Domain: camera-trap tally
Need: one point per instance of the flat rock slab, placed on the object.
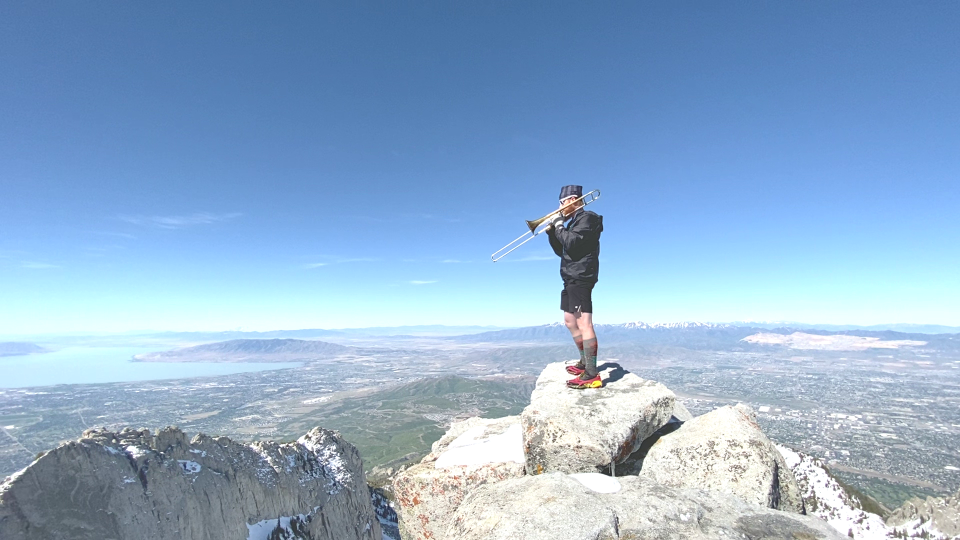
(573, 431)
(725, 451)
(552, 506)
(472, 453)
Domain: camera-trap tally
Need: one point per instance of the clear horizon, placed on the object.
(184, 166)
(146, 332)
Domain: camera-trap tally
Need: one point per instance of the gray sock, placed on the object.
(590, 357)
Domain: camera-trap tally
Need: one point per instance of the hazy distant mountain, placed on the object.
(694, 335)
(422, 330)
(250, 350)
(899, 327)
(685, 334)
(18, 348)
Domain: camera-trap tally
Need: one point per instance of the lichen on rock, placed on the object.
(725, 451)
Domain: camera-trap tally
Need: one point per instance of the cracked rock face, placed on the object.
(134, 484)
(551, 506)
(472, 453)
(582, 431)
(725, 451)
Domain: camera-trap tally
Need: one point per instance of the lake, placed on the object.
(90, 365)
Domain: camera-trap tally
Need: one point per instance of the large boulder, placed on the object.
(472, 453)
(135, 484)
(725, 451)
(590, 507)
(573, 431)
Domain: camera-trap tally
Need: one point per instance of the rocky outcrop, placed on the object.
(472, 453)
(937, 518)
(709, 477)
(585, 507)
(725, 451)
(134, 484)
(588, 430)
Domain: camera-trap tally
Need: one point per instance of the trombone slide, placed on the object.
(537, 226)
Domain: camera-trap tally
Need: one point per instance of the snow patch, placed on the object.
(472, 449)
(135, 451)
(189, 467)
(919, 528)
(832, 504)
(600, 483)
(262, 530)
(329, 459)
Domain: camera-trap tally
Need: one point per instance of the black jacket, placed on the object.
(578, 246)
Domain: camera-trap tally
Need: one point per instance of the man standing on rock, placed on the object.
(575, 238)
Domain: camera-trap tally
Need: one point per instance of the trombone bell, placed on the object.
(535, 226)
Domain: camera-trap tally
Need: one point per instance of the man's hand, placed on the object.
(556, 222)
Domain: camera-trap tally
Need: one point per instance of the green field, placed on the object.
(407, 419)
(889, 494)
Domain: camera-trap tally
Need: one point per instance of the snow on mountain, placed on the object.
(826, 499)
(386, 515)
(640, 325)
(937, 518)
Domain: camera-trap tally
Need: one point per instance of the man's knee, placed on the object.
(584, 320)
(585, 323)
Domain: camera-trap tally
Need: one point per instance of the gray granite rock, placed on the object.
(472, 453)
(557, 506)
(571, 431)
(681, 413)
(135, 484)
(725, 451)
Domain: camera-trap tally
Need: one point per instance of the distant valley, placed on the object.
(18, 348)
(250, 350)
(887, 420)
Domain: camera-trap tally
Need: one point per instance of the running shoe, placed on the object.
(578, 383)
(575, 369)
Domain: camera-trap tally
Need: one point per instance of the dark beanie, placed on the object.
(570, 191)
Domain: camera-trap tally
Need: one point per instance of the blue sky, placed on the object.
(205, 166)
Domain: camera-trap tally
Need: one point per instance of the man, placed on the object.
(575, 237)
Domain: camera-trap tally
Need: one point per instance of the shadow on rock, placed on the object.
(615, 374)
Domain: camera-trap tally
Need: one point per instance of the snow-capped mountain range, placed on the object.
(676, 333)
(640, 325)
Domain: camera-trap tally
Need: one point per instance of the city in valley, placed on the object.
(882, 409)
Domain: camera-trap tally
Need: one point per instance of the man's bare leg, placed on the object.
(571, 321)
(589, 337)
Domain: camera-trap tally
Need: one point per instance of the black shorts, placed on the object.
(576, 299)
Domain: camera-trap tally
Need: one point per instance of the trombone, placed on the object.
(537, 226)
